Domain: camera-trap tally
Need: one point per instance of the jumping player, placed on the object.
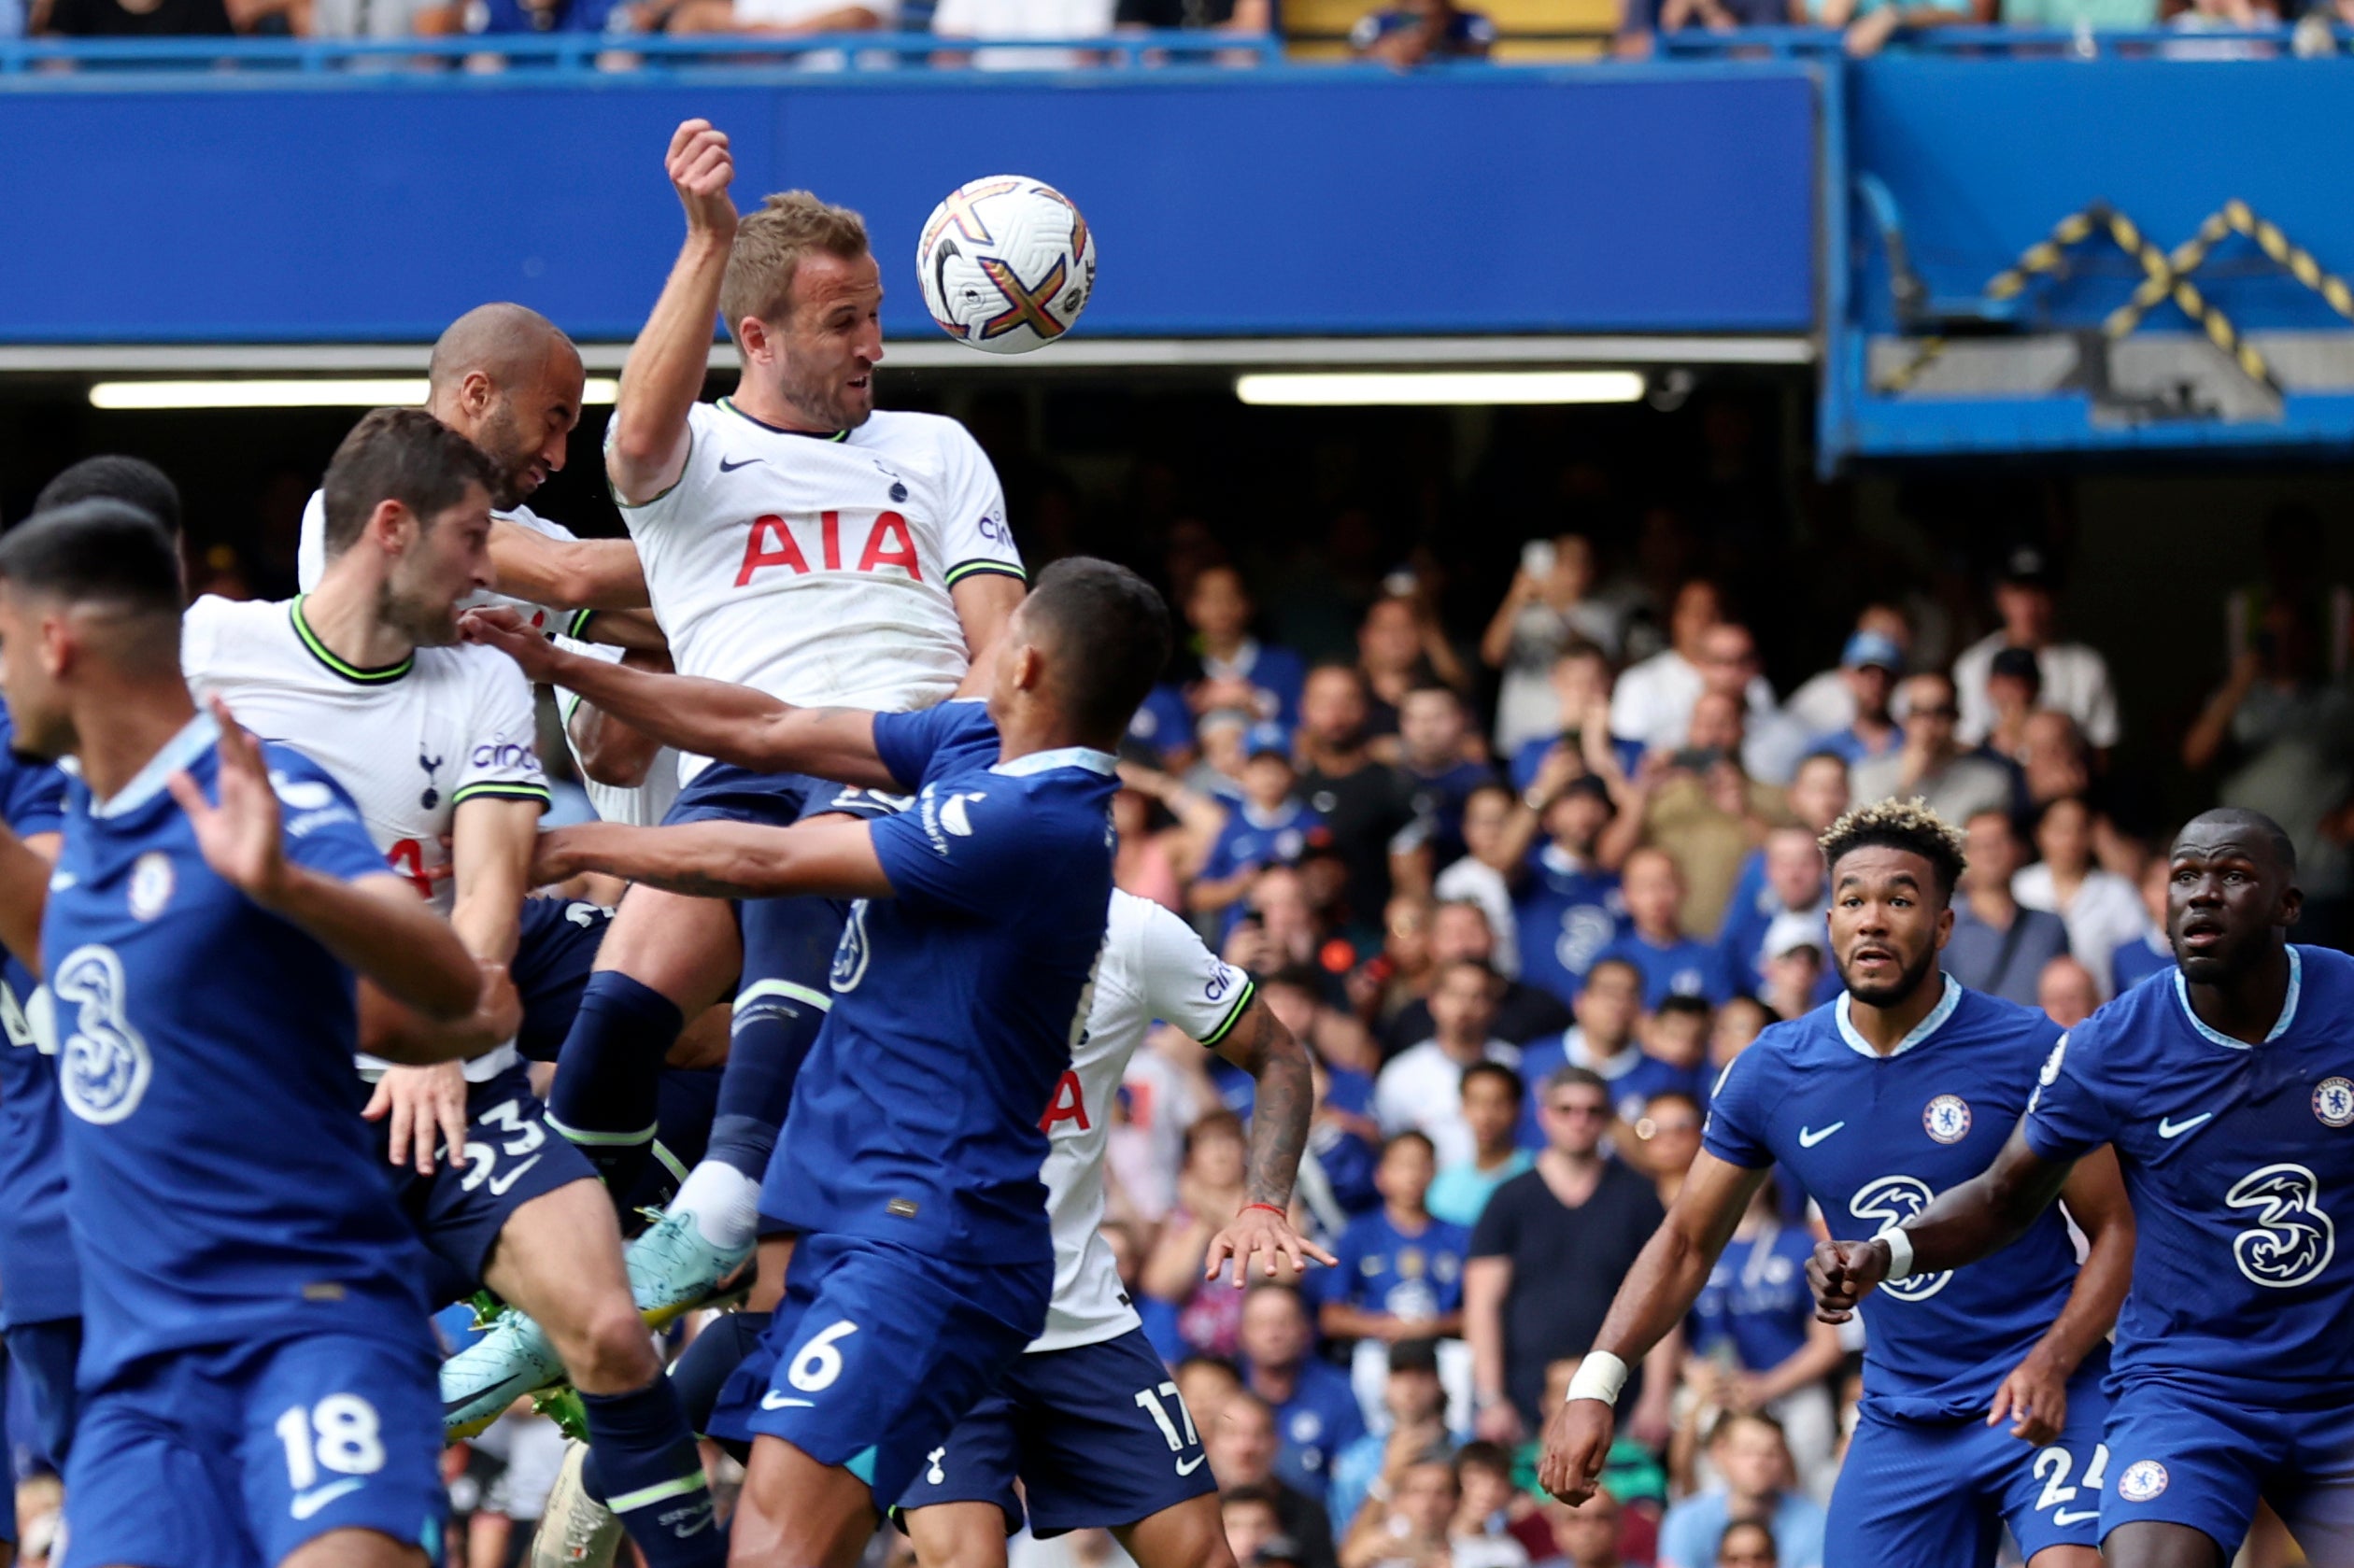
(1898, 1089)
(257, 1371)
(2228, 1094)
(908, 1171)
(435, 742)
(797, 542)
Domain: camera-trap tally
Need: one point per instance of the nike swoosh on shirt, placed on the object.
(2169, 1128)
(308, 1502)
(498, 1184)
(2074, 1516)
(1187, 1466)
(1808, 1137)
(774, 1401)
(727, 466)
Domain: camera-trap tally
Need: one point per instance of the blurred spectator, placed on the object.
(1419, 30)
(1223, 739)
(1581, 720)
(1749, 1455)
(1748, 1544)
(2153, 953)
(1432, 729)
(1702, 807)
(1671, 963)
(1819, 795)
(1422, 1088)
(1205, 1383)
(1401, 646)
(1523, 1012)
(995, 19)
(1794, 964)
(1548, 608)
(1270, 825)
(1756, 1338)
(1480, 1536)
(1546, 1256)
(1415, 1404)
(1930, 764)
(1233, 16)
(1400, 1274)
(2223, 15)
(1870, 665)
(1790, 884)
(1475, 880)
(2014, 683)
(785, 18)
(1251, 1519)
(1997, 946)
(2101, 909)
(2076, 678)
(1586, 1536)
(1241, 1448)
(1567, 905)
(1143, 865)
(1603, 1042)
(1824, 701)
(1235, 669)
(1400, 974)
(1367, 805)
(2288, 733)
(2125, 15)
(1285, 932)
(1668, 1139)
(2066, 993)
(1714, 16)
(1771, 742)
(1738, 1023)
(1408, 1529)
(1189, 1312)
(1651, 703)
(114, 19)
(1492, 1098)
(1315, 1410)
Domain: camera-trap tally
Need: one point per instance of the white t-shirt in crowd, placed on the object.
(2076, 680)
(1024, 19)
(1422, 1089)
(2105, 915)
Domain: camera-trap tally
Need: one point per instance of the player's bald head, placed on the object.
(511, 346)
(2252, 833)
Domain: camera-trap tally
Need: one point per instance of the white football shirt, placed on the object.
(310, 564)
(409, 742)
(816, 569)
(1154, 968)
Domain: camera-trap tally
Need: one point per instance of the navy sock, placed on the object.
(608, 1075)
(788, 947)
(652, 1475)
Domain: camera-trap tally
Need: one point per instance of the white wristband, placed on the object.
(1899, 1255)
(1600, 1375)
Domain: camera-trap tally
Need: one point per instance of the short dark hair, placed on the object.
(1910, 826)
(1502, 1074)
(1412, 1134)
(115, 476)
(1633, 970)
(398, 454)
(97, 551)
(1481, 1454)
(1256, 1493)
(1114, 625)
(1693, 1005)
(1576, 1077)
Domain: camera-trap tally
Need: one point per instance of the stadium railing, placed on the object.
(1996, 42)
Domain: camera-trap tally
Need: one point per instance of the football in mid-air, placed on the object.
(1007, 263)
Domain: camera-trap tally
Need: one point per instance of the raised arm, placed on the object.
(646, 451)
(716, 718)
(832, 856)
(1281, 1110)
(1985, 1214)
(567, 573)
(1649, 1307)
(2036, 1394)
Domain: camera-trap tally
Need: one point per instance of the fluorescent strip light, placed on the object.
(380, 392)
(1364, 389)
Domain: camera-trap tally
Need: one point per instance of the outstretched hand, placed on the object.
(1258, 1229)
(1842, 1273)
(497, 627)
(238, 836)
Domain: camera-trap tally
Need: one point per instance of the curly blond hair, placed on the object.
(1906, 825)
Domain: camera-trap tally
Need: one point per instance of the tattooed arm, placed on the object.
(1285, 1099)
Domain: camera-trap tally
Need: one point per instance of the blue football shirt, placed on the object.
(1756, 1301)
(1383, 1269)
(39, 1280)
(955, 1001)
(2238, 1160)
(1871, 1140)
(1684, 968)
(1568, 913)
(224, 1187)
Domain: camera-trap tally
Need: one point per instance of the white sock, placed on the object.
(726, 1203)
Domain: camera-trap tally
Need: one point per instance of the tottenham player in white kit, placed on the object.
(435, 743)
(797, 542)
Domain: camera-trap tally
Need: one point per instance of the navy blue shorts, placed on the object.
(555, 951)
(2180, 1455)
(512, 1156)
(230, 1457)
(723, 792)
(1936, 1495)
(1096, 1435)
(42, 1357)
(877, 1353)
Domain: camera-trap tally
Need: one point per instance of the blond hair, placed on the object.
(1910, 824)
(768, 252)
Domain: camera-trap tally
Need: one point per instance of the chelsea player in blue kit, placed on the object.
(1902, 1087)
(2228, 1093)
(908, 1170)
(257, 1375)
